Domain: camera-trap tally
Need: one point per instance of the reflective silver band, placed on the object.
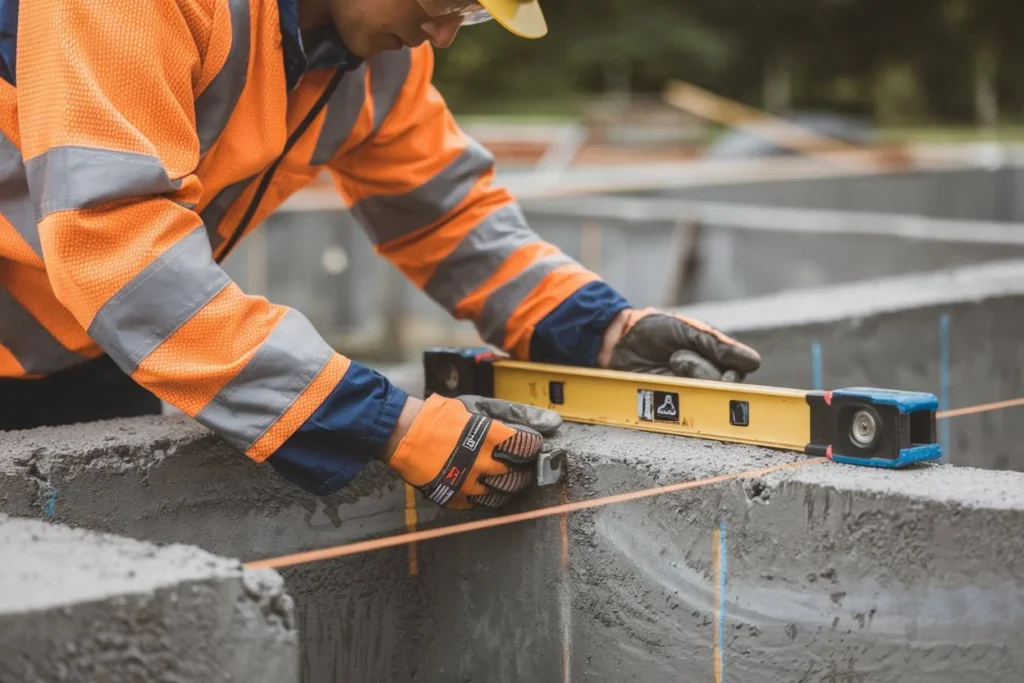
(29, 342)
(342, 113)
(69, 178)
(388, 217)
(216, 103)
(502, 302)
(479, 256)
(287, 361)
(156, 302)
(15, 204)
(389, 71)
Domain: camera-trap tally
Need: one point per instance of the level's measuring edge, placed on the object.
(749, 414)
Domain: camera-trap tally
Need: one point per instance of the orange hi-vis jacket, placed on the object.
(141, 140)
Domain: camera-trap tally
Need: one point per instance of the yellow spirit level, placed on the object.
(858, 426)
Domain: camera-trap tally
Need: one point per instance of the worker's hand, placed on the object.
(471, 451)
(661, 343)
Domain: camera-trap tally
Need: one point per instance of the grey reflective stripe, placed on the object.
(479, 255)
(502, 302)
(218, 207)
(291, 357)
(342, 112)
(15, 204)
(216, 103)
(387, 217)
(32, 344)
(388, 72)
(159, 300)
(67, 178)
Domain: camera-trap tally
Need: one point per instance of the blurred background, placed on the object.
(703, 151)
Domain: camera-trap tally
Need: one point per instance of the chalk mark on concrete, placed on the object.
(944, 382)
(51, 502)
(720, 570)
(411, 520)
(566, 607)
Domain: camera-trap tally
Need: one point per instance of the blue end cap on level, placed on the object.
(904, 401)
(908, 456)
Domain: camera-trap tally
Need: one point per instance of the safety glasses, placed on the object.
(470, 11)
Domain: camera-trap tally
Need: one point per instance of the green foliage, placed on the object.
(911, 61)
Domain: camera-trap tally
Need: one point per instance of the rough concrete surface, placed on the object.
(166, 479)
(832, 573)
(78, 605)
(957, 333)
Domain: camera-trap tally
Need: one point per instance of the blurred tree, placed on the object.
(912, 61)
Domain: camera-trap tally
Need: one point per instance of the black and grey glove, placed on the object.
(529, 419)
(544, 422)
(661, 343)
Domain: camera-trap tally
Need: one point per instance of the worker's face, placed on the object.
(368, 27)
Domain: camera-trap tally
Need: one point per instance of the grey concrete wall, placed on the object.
(636, 257)
(78, 605)
(831, 572)
(958, 334)
(969, 193)
(362, 619)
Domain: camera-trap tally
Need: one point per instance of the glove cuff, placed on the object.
(436, 429)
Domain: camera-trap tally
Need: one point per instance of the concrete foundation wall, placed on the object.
(83, 606)
(821, 573)
(639, 257)
(830, 572)
(968, 193)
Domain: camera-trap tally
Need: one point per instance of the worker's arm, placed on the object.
(423, 191)
(106, 98)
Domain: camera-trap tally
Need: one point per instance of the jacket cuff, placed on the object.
(349, 429)
(572, 333)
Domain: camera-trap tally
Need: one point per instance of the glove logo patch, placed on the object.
(452, 478)
(453, 475)
(657, 406)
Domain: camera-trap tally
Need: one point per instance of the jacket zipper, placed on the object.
(268, 176)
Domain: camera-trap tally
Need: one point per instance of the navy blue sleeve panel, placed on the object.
(346, 432)
(571, 334)
(8, 40)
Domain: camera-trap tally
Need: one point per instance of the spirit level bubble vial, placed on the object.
(858, 426)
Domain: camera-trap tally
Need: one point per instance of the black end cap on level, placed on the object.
(453, 372)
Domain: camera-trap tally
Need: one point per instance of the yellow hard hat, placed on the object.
(522, 17)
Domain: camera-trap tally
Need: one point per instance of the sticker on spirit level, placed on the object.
(657, 406)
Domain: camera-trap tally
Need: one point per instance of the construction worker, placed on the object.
(142, 140)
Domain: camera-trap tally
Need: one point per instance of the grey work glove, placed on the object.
(543, 421)
(661, 343)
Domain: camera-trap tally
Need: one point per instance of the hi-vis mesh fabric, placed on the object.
(131, 151)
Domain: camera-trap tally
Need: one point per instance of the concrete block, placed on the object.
(821, 573)
(830, 572)
(957, 333)
(79, 605)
